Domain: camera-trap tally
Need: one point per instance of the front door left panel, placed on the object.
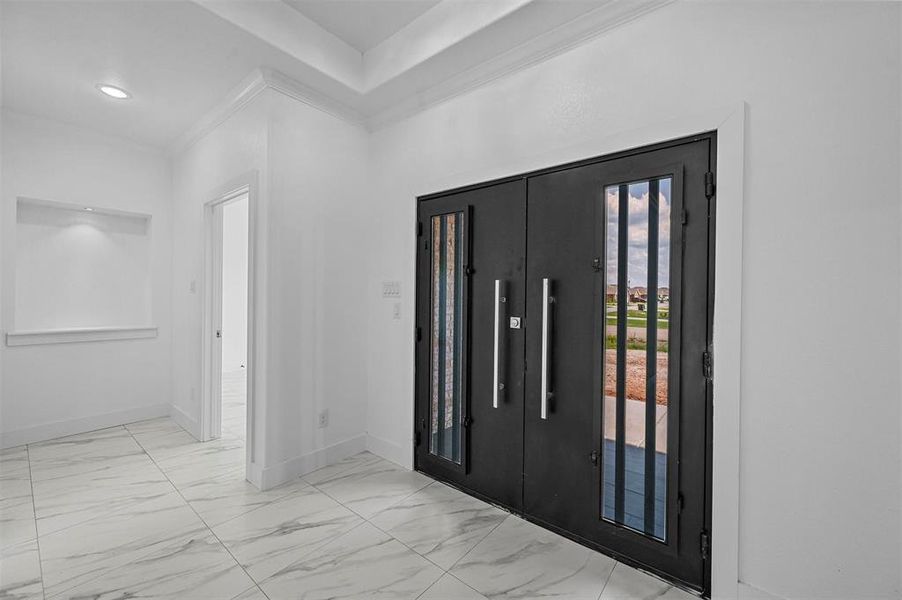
(471, 261)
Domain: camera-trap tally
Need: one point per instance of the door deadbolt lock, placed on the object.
(219, 333)
(515, 322)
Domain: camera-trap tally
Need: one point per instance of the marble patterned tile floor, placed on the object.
(144, 512)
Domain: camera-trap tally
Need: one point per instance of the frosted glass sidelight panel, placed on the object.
(636, 356)
(446, 340)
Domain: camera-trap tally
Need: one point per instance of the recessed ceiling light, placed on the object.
(113, 92)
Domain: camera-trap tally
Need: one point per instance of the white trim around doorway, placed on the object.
(245, 184)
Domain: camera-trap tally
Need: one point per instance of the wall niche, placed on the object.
(80, 269)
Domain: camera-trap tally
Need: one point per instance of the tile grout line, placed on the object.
(363, 520)
(86, 473)
(59, 593)
(279, 498)
(78, 523)
(456, 578)
(34, 514)
(282, 497)
(139, 556)
(607, 580)
(318, 547)
(209, 529)
(467, 553)
(367, 520)
(344, 471)
(444, 571)
(509, 515)
(482, 539)
(387, 507)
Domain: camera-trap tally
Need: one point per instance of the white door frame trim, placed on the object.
(245, 184)
(730, 123)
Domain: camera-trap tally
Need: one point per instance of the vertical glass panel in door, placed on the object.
(446, 387)
(637, 320)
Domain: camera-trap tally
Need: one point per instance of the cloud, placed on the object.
(637, 243)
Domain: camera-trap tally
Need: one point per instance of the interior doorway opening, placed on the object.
(229, 329)
(233, 326)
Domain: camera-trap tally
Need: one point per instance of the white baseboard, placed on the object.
(293, 468)
(748, 592)
(184, 421)
(390, 451)
(254, 474)
(49, 431)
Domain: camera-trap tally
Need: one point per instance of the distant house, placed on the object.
(636, 294)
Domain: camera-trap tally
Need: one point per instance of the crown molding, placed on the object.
(554, 42)
(251, 87)
(279, 82)
(259, 80)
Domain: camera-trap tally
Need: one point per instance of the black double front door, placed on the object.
(563, 327)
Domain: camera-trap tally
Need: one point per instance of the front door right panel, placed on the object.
(616, 400)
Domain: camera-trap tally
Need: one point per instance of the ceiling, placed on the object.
(363, 24)
(184, 61)
(175, 58)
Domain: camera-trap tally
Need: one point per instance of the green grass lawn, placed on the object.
(662, 324)
(610, 343)
(662, 314)
(637, 318)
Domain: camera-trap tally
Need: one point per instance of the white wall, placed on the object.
(50, 390)
(820, 454)
(318, 272)
(310, 317)
(234, 285)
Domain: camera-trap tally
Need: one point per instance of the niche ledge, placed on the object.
(88, 334)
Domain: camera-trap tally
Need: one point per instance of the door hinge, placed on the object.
(709, 184)
(419, 228)
(708, 365)
(680, 503)
(684, 218)
(593, 457)
(705, 544)
(417, 438)
(467, 421)
(419, 334)
(596, 264)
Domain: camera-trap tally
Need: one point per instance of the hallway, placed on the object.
(234, 404)
(145, 511)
